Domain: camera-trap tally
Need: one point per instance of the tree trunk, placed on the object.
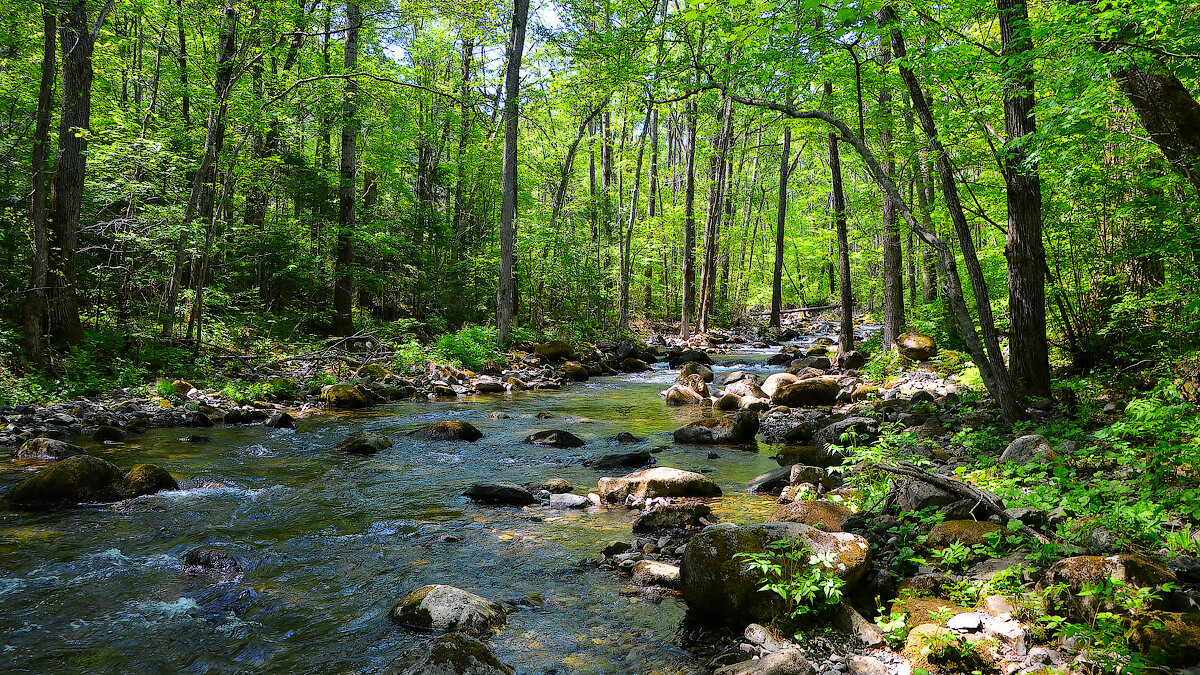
(716, 208)
(689, 228)
(1029, 358)
(627, 238)
(35, 299)
(837, 203)
(343, 280)
(651, 203)
(506, 288)
(186, 104)
(893, 273)
(464, 129)
(780, 222)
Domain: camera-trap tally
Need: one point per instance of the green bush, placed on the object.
(472, 347)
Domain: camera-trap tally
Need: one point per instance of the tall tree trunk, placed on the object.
(651, 203)
(464, 129)
(77, 38)
(343, 280)
(185, 106)
(780, 223)
(1029, 357)
(716, 209)
(35, 298)
(689, 227)
(837, 204)
(506, 288)
(893, 273)
(627, 238)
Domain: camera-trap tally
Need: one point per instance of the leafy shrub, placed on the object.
(471, 347)
(804, 579)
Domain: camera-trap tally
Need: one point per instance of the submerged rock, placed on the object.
(500, 492)
(146, 479)
(364, 444)
(625, 460)
(48, 448)
(442, 608)
(79, 478)
(451, 654)
(739, 428)
(658, 482)
(555, 438)
(215, 561)
(448, 430)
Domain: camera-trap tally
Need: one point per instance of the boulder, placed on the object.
(720, 588)
(448, 430)
(364, 444)
(555, 438)
(728, 402)
(772, 481)
(916, 346)
(239, 416)
(347, 396)
(814, 391)
(909, 495)
(789, 661)
(554, 486)
(620, 460)
(566, 500)
(695, 368)
(442, 608)
(672, 516)
(47, 448)
(965, 532)
(864, 429)
(1028, 449)
(108, 434)
(554, 350)
(679, 395)
(78, 478)
(746, 387)
(280, 421)
(625, 438)
(689, 356)
(372, 371)
(1135, 570)
(821, 514)
(632, 365)
(739, 428)
(658, 482)
(501, 493)
(693, 382)
(215, 561)
(1170, 638)
(774, 382)
(655, 573)
(145, 479)
(573, 370)
(451, 654)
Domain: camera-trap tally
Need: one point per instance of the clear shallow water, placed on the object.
(334, 540)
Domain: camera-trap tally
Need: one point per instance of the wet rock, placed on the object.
(626, 438)
(489, 385)
(78, 478)
(554, 486)
(814, 391)
(658, 482)
(442, 608)
(501, 493)
(1135, 570)
(916, 346)
(364, 444)
(575, 371)
(566, 500)
(654, 573)
(47, 448)
(198, 419)
(772, 481)
(695, 368)
(909, 495)
(624, 460)
(108, 434)
(1170, 638)
(448, 430)
(821, 514)
(965, 532)
(145, 479)
(555, 350)
(555, 438)
(783, 662)
(215, 561)
(1028, 449)
(280, 421)
(864, 430)
(739, 428)
(728, 402)
(775, 381)
(632, 365)
(695, 383)
(673, 516)
(451, 654)
(679, 395)
(720, 589)
(347, 396)
(689, 356)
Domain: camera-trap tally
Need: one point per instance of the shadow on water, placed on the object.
(335, 540)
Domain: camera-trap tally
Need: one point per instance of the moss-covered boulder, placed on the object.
(500, 493)
(575, 371)
(448, 430)
(920, 609)
(721, 588)
(1169, 638)
(108, 434)
(821, 514)
(941, 652)
(372, 371)
(740, 428)
(79, 478)
(555, 438)
(813, 391)
(441, 608)
(1065, 582)
(965, 532)
(658, 482)
(555, 350)
(916, 346)
(364, 444)
(47, 448)
(347, 396)
(182, 387)
(695, 368)
(679, 395)
(451, 654)
(145, 479)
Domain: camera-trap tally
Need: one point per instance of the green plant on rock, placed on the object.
(1103, 638)
(804, 579)
(894, 626)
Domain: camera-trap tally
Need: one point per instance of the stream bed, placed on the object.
(335, 540)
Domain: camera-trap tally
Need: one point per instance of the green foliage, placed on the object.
(471, 347)
(1103, 637)
(805, 580)
(243, 393)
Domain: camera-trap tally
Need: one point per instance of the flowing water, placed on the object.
(336, 539)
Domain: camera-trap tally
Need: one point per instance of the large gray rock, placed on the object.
(673, 516)
(364, 444)
(658, 482)
(441, 608)
(500, 492)
(722, 589)
(448, 430)
(451, 654)
(554, 438)
(47, 448)
(783, 662)
(1028, 449)
(79, 478)
(771, 481)
(864, 429)
(914, 495)
(775, 381)
(740, 428)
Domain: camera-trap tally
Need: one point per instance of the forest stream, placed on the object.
(334, 540)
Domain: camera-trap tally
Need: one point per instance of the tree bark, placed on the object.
(837, 204)
(627, 239)
(716, 209)
(343, 279)
(464, 129)
(689, 228)
(780, 223)
(35, 298)
(893, 279)
(1029, 358)
(506, 288)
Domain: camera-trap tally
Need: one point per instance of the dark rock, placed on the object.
(739, 428)
(555, 438)
(689, 356)
(78, 478)
(501, 492)
(47, 448)
(108, 434)
(913, 495)
(448, 430)
(442, 608)
(364, 444)
(215, 561)
(554, 486)
(281, 421)
(626, 460)
(196, 438)
(772, 481)
(814, 391)
(198, 419)
(673, 516)
(626, 438)
(864, 429)
(145, 479)
(451, 654)
(555, 350)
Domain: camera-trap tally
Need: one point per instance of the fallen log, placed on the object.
(820, 308)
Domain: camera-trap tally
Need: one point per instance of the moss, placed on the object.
(80, 478)
(449, 430)
(823, 515)
(965, 532)
(1169, 638)
(146, 479)
(920, 610)
(942, 652)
